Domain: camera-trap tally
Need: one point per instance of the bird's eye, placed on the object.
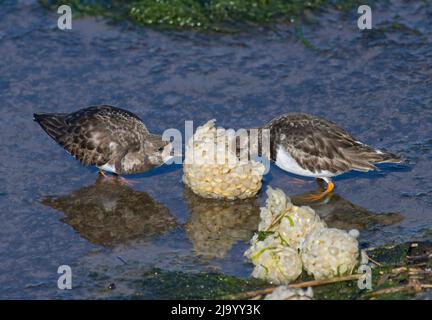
(161, 149)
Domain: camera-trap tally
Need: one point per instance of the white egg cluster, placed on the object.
(292, 223)
(285, 293)
(213, 170)
(292, 237)
(277, 263)
(327, 253)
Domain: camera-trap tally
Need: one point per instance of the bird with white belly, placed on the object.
(311, 146)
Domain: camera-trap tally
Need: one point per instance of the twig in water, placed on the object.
(375, 262)
(312, 283)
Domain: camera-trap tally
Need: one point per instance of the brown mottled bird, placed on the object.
(107, 137)
(311, 146)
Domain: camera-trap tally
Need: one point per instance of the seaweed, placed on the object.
(216, 15)
(182, 285)
(398, 272)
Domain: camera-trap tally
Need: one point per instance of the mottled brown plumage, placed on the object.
(311, 146)
(318, 145)
(110, 138)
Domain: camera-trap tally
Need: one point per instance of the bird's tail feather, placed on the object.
(366, 158)
(388, 157)
(52, 123)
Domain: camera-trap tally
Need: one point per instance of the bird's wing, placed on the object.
(87, 144)
(97, 139)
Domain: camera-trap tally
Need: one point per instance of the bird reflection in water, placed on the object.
(339, 213)
(216, 225)
(109, 213)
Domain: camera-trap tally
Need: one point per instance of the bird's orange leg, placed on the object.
(318, 196)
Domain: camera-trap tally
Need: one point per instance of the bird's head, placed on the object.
(157, 151)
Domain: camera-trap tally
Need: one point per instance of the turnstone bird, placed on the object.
(311, 146)
(110, 138)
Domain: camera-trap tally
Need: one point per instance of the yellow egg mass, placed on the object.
(212, 170)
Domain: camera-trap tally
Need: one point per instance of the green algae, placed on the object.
(306, 42)
(391, 255)
(214, 15)
(173, 13)
(405, 257)
(181, 285)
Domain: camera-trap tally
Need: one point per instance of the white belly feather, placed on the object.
(288, 163)
(108, 167)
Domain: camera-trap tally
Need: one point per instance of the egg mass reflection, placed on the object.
(216, 225)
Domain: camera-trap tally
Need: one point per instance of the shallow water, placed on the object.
(376, 84)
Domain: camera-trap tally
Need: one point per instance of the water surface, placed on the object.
(376, 84)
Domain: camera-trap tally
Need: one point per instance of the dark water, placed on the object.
(376, 84)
